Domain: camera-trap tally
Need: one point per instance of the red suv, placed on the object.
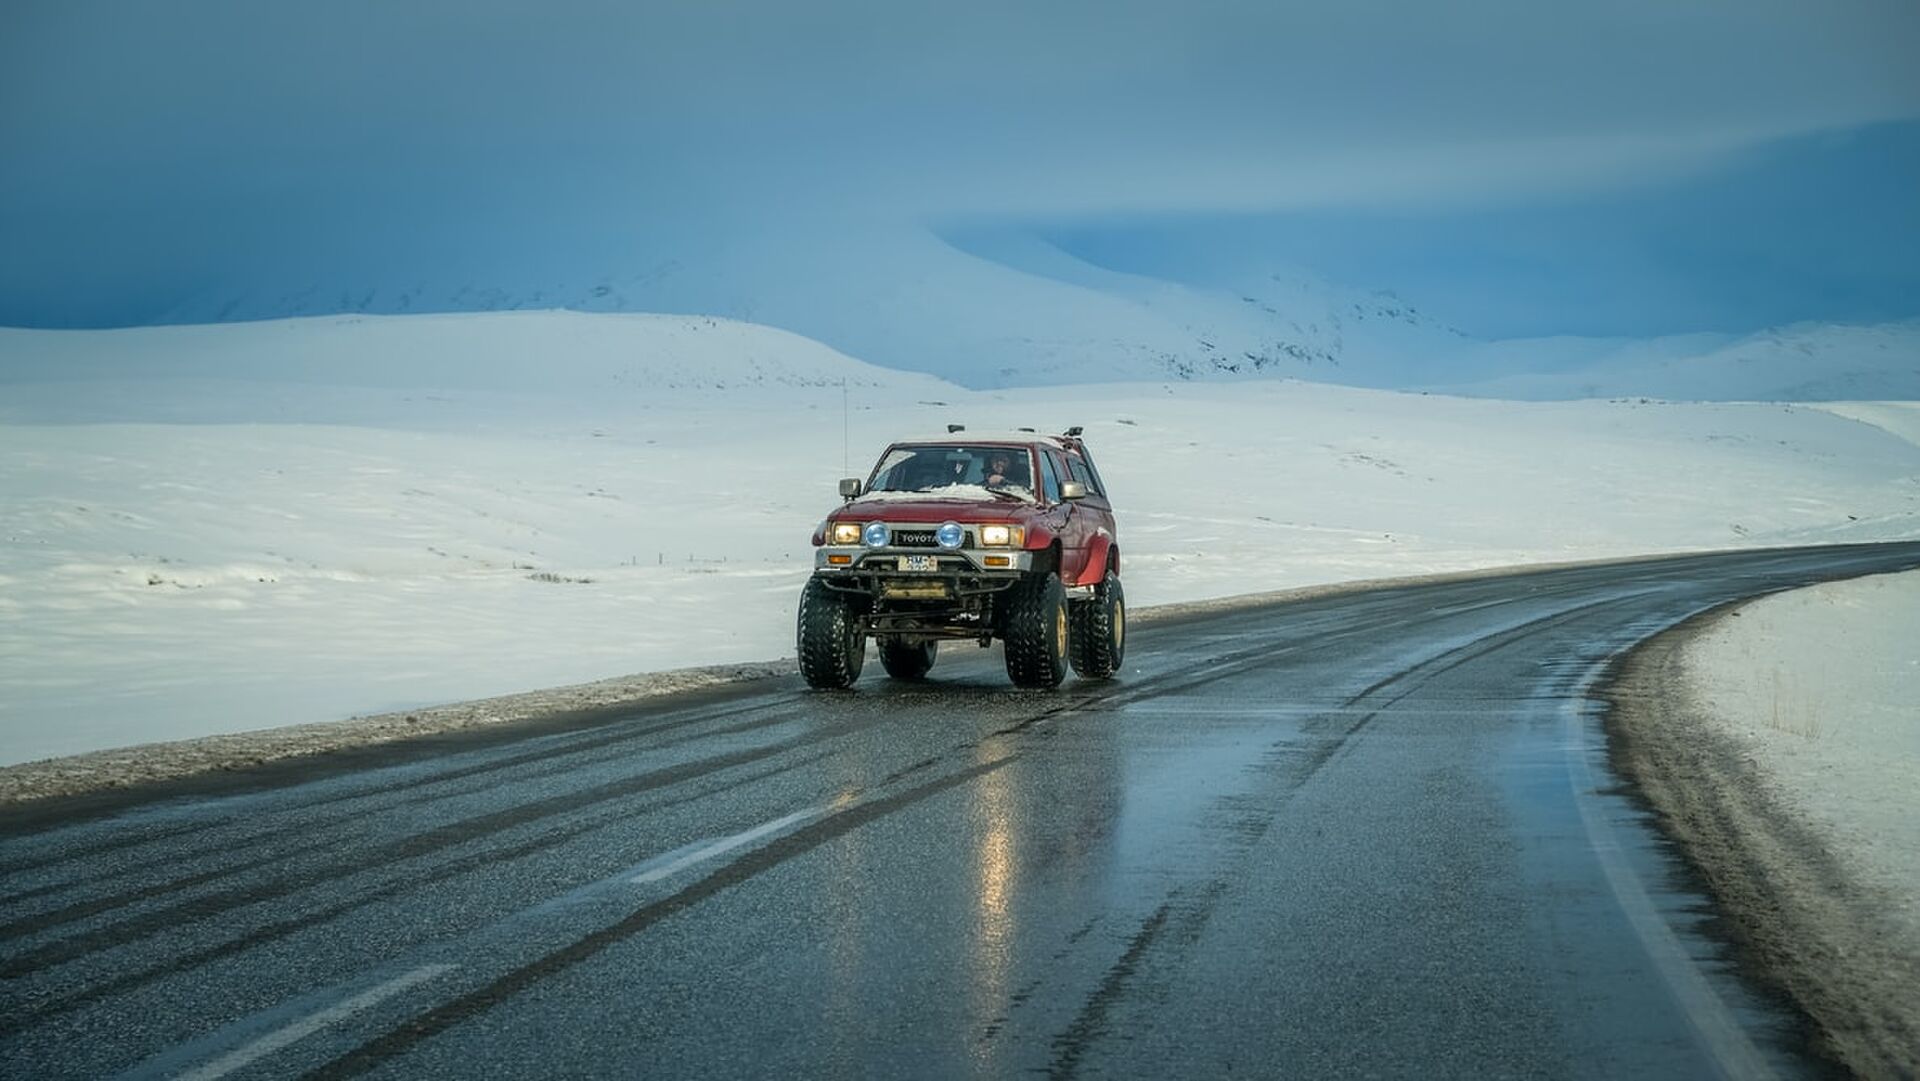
(968, 537)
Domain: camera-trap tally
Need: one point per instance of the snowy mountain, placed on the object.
(987, 308)
(372, 369)
(1805, 362)
(984, 311)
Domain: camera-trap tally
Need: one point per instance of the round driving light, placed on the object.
(875, 535)
(949, 535)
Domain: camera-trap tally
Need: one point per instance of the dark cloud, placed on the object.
(1046, 95)
(177, 141)
(1817, 228)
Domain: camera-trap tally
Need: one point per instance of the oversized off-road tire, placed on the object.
(907, 660)
(1098, 630)
(831, 647)
(1036, 631)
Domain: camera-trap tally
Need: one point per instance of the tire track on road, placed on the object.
(81, 909)
(25, 962)
(397, 1041)
(386, 786)
(44, 1008)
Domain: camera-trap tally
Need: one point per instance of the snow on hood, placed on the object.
(959, 493)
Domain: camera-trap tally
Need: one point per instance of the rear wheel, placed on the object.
(1036, 632)
(1099, 626)
(831, 647)
(908, 660)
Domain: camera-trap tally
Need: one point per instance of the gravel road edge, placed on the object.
(151, 763)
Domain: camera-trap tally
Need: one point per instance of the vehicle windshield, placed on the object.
(956, 471)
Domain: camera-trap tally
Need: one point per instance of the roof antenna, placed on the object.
(1074, 432)
(952, 428)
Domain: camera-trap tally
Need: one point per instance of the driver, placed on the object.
(1003, 469)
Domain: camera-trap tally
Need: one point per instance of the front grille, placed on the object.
(923, 538)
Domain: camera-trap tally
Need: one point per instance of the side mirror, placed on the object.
(1073, 489)
(850, 488)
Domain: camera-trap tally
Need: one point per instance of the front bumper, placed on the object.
(852, 559)
(955, 572)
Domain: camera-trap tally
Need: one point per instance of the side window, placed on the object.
(1078, 470)
(1087, 460)
(1049, 479)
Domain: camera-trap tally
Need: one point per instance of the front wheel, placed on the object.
(1099, 627)
(830, 644)
(1036, 632)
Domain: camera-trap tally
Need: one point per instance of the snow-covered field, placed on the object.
(1818, 687)
(216, 529)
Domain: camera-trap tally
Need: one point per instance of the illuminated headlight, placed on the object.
(875, 535)
(949, 535)
(846, 532)
(1003, 536)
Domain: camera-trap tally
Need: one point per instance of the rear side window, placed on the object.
(1079, 471)
(1086, 459)
(1049, 477)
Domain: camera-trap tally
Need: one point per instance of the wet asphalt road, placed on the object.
(1363, 835)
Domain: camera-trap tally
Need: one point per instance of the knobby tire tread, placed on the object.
(827, 638)
(1032, 660)
(1093, 647)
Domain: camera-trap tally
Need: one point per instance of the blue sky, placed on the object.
(1518, 167)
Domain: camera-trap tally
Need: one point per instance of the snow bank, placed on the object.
(1818, 688)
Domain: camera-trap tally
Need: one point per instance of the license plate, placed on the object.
(919, 563)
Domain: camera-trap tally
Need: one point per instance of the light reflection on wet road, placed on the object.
(1363, 834)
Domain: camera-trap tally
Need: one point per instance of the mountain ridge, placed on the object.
(1003, 308)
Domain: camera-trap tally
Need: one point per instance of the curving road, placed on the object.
(1366, 834)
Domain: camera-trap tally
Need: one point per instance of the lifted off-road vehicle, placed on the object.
(972, 537)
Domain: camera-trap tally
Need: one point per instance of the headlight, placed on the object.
(1003, 536)
(949, 535)
(846, 532)
(875, 535)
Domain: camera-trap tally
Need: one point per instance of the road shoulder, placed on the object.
(1807, 922)
(144, 766)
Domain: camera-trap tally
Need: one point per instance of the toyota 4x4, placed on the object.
(968, 537)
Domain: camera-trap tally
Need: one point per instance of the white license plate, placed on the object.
(919, 563)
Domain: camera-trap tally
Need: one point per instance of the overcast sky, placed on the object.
(142, 141)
